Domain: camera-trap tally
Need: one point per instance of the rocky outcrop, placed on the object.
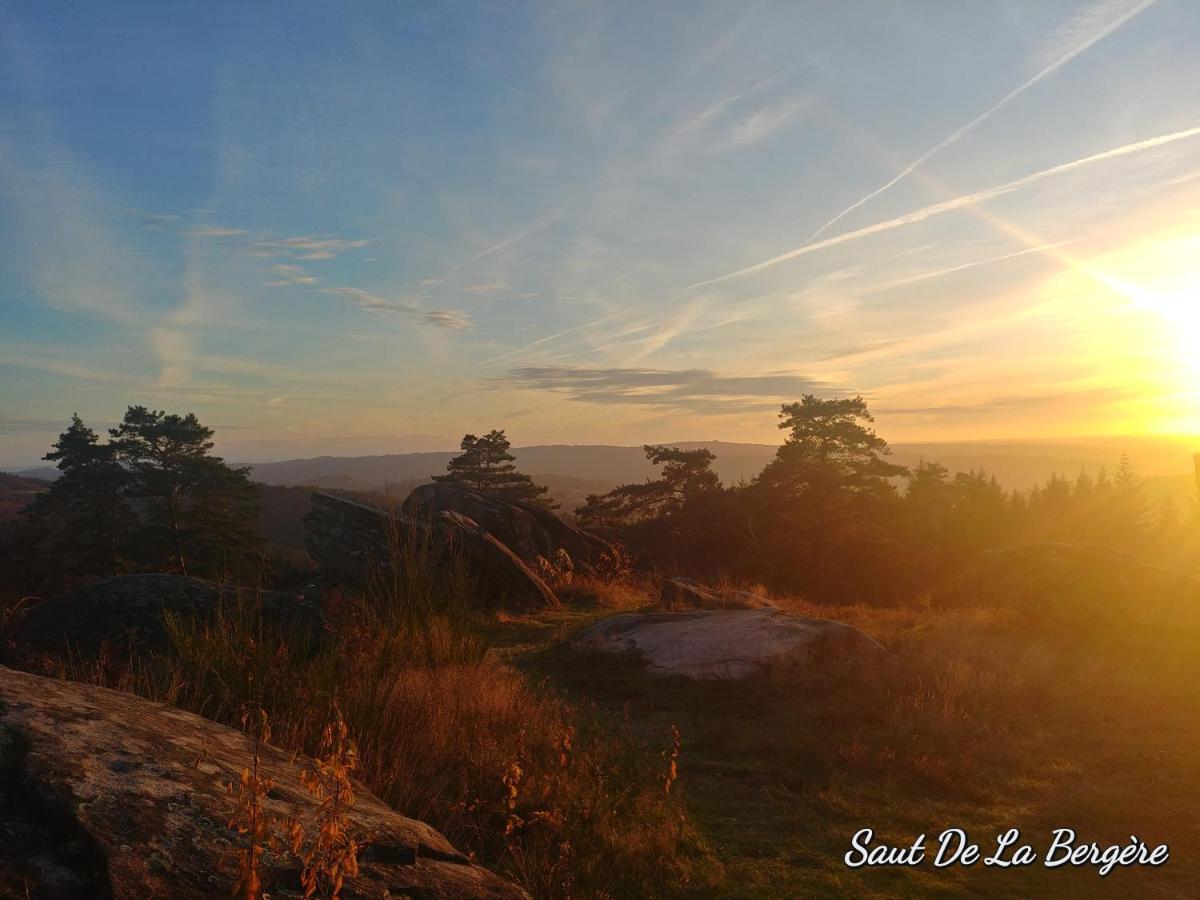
(683, 593)
(736, 643)
(503, 577)
(348, 539)
(531, 531)
(126, 614)
(103, 794)
(351, 540)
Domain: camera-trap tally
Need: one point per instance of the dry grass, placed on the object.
(608, 594)
(587, 778)
(567, 803)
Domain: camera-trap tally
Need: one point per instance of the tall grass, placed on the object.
(544, 791)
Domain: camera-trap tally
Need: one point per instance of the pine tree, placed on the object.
(195, 510)
(826, 498)
(84, 513)
(486, 466)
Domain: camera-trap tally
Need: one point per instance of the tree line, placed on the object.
(831, 516)
(151, 497)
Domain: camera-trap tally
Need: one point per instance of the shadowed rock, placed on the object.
(736, 643)
(683, 593)
(126, 613)
(527, 529)
(350, 541)
(103, 794)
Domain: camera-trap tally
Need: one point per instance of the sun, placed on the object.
(1130, 321)
(1157, 284)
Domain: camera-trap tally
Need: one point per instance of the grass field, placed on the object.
(559, 768)
(997, 721)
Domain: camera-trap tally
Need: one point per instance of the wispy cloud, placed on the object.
(287, 275)
(761, 124)
(518, 236)
(547, 339)
(689, 389)
(217, 232)
(962, 267)
(366, 300)
(1086, 33)
(485, 287)
(307, 247)
(966, 200)
(452, 319)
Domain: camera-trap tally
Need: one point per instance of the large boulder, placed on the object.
(350, 541)
(736, 643)
(683, 593)
(106, 795)
(127, 614)
(531, 531)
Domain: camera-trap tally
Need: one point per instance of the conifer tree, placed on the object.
(84, 513)
(486, 466)
(195, 511)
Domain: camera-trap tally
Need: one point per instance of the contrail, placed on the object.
(987, 114)
(927, 212)
(973, 264)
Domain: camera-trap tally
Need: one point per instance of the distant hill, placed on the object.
(16, 491)
(1016, 465)
(582, 468)
(573, 471)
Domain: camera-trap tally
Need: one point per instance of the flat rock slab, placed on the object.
(104, 794)
(736, 643)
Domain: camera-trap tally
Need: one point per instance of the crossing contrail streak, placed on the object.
(936, 209)
(985, 115)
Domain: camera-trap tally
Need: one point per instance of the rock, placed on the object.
(503, 577)
(103, 794)
(350, 540)
(683, 593)
(736, 643)
(126, 613)
(529, 530)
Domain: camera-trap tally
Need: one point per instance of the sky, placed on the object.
(362, 228)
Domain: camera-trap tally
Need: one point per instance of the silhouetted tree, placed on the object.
(678, 518)
(827, 507)
(195, 511)
(485, 465)
(83, 518)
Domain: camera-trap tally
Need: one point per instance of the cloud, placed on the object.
(962, 267)
(700, 390)
(366, 300)
(761, 124)
(487, 287)
(1084, 38)
(519, 236)
(307, 247)
(452, 319)
(927, 212)
(1072, 399)
(288, 275)
(217, 232)
(550, 337)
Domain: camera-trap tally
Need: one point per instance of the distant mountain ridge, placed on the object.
(577, 469)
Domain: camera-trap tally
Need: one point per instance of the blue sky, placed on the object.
(371, 227)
